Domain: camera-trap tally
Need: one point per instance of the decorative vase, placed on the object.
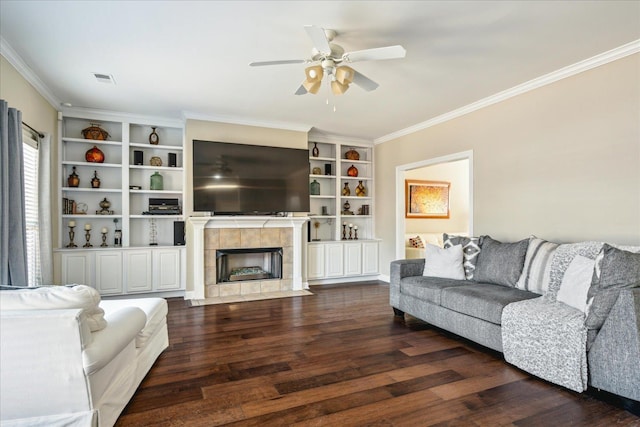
(95, 132)
(154, 139)
(346, 191)
(352, 155)
(156, 182)
(95, 181)
(315, 152)
(314, 188)
(94, 155)
(360, 190)
(352, 171)
(73, 180)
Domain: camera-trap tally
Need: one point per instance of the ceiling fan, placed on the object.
(329, 59)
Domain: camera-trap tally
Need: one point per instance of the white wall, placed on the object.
(561, 162)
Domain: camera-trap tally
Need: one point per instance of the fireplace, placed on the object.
(248, 264)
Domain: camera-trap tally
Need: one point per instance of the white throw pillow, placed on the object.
(576, 282)
(444, 263)
(58, 297)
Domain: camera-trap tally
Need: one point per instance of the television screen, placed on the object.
(249, 179)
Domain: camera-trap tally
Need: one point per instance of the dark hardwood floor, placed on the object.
(340, 358)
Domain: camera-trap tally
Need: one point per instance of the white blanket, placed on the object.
(548, 340)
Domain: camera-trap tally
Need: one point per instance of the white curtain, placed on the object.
(44, 207)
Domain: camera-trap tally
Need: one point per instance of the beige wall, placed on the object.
(38, 113)
(561, 162)
(457, 174)
(227, 132)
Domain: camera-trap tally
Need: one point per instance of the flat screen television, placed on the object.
(235, 179)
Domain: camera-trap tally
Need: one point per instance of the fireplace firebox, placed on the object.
(248, 264)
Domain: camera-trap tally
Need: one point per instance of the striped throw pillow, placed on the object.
(537, 265)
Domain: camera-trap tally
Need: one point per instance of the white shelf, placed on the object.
(155, 191)
(91, 190)
(91, 164)
(322, 176)
(322, 159)
(156, 216)
(158, 168)
(155, 147)
(91, 141)
(80, 216)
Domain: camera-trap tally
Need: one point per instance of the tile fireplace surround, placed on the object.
(212, 233)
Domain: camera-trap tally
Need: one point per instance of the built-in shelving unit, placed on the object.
(333, 252)
(125, 184)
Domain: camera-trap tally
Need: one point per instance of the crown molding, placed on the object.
(25, 71)
(190, 115)
(571, 70)
(318, 136)
(142, 119)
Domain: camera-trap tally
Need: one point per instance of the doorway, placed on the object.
(462, 159)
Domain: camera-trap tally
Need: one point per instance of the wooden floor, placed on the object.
(340, 358)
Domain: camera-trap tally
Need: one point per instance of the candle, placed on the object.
(350, 225)
(104, 230)
(344, 223)
(355, 228)
(72, 223)
(87, 226)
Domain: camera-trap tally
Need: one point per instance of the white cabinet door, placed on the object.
(369, 257)
(334, 265)
(109, 272)
(315, 262)
(138, 270)
(77, 268)
(352, 259)
(166, 269)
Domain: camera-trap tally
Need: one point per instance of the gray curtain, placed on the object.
(13, 246)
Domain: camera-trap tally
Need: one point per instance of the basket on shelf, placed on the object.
(95, 132)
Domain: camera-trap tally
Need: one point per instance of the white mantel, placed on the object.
(196, 245)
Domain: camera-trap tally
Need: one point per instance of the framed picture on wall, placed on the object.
(426, 199)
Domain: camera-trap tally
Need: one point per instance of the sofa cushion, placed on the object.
(482, 300)
(562, 257)
(416, 242)
(500, 263)
(576, 282)
(444, 263)
(155, 310)
(58, 297)
(427, 288)
(470, 250)
(618, 270)
(537, 266)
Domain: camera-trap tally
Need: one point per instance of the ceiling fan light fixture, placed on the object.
(345, 75)
(338, 88)
(311, 87)
(314, 79)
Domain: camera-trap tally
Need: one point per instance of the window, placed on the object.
(30, 151)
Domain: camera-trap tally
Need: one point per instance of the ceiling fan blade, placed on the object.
(364, 82)
(283, 62)
(301, 90)
(389, 52)
(319, 39)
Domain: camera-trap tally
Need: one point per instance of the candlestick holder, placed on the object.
(350, 232)
(72, 234)
(87, 236)
(344, 231)
(104, 240)
(355, 231)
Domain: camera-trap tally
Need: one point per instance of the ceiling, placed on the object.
(190, 58)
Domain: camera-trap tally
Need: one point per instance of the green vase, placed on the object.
(314, 188)
(156, 182)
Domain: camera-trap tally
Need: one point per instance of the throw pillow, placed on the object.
(562, 257)
(576, 282)
(444, 263)
(470, 250)
(57, 297)
(500, 263)
(537, 264)
(618, 270)
(416, 242)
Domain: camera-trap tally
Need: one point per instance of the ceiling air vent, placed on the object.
(104, 78)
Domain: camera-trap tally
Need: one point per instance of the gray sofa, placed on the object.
(473, 310)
